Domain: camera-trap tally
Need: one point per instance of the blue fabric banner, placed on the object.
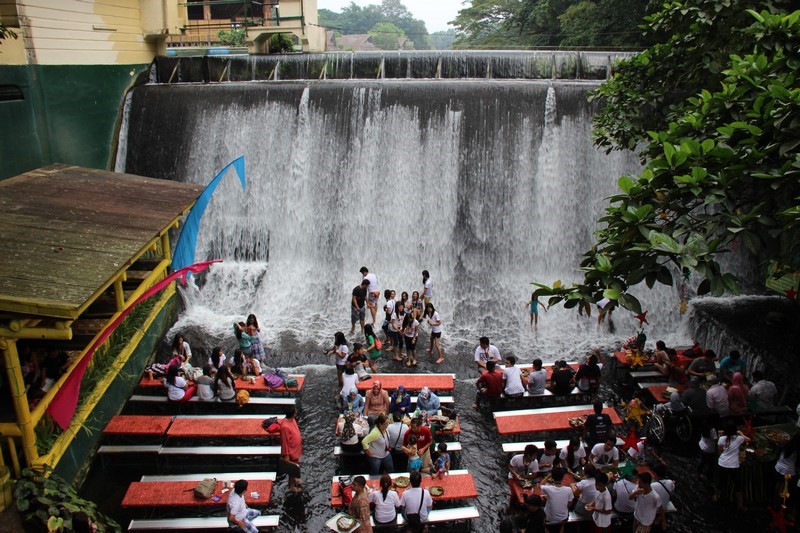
(183, 255)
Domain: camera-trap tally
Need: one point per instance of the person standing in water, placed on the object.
(374, 292)
(533, 303)
(256, 345)
(427, 287)
(436, 331)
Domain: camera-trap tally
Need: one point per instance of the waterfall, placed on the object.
(487, 184)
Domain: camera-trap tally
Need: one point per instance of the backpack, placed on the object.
(291, 383)
(378, 344)
(273, 380)
(205, 488)
(346, 489)
(242, 397)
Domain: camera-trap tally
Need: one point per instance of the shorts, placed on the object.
(357, 314)
(640, 528)
(411, 343)
(290, 469)
(426, 459)
(414, 464)
(436, 334)
(372, 299)
(427, 301)
(732, 474)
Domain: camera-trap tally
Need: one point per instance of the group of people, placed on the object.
(509, 381)
(415, 503)
(216, 379)
(402, 317)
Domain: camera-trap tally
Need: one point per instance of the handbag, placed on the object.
(205, 488)
(414, 520)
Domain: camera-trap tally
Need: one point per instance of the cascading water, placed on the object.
(487, 184)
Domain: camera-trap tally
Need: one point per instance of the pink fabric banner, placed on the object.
(63, 406)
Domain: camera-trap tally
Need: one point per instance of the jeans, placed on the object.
(375, 464)
(249, 528)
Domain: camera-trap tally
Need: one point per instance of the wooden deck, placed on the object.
(68, 232)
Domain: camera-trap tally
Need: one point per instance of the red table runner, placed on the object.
(180, 494)
(138, 425)
(412, 382)
(456, 487)
(658, 391)
(533, 423)
(219, 427)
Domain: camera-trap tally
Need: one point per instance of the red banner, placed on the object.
(63, 406)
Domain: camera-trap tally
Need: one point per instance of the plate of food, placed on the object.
(437, 490)
(343, 523)
(778, 437)
(402, 482)
(576, 422)
(528, 483)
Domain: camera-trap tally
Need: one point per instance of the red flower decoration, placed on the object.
(631, 441)
(779, 521)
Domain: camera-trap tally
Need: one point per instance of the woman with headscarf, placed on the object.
(350, 432)
(354, 402)
(377, 401)
(737, 395)
(428, 401)
(400, 401)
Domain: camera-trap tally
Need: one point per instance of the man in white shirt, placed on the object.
(763, 392)
(486, 352)
(623, 489)
(239, 515)
(524, 465)
(558, 498)
(717, 397)
(648, 504)
(374, 292)
(605, 454)
(416, 500)
(663, 486)
(512, 379)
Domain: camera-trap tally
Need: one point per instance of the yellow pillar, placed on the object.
(119, 294)
(166, 253)
(12, 450)
(20, 400)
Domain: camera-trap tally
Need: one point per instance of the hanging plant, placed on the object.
(48, 503)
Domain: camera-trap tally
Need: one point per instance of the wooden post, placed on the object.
(119, 294)
(16, 384)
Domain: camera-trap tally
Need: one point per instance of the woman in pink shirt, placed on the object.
(377, 401)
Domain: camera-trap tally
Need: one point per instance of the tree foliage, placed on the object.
(722, 174)
(386, 35)
(550, 23)
(235, 37)
(355, 19)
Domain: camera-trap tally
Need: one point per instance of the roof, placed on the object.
(68, 232)
(357, 42)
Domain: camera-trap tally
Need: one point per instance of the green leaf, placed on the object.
(630, 302)
(669, 153)
(626, 184)
(603, 263)
(611, 294)
(664, 276)
(704, 287)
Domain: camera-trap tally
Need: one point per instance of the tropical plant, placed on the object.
(280, 43)
(48, 503)
(722, 176)
(235, 37)
(386, 35)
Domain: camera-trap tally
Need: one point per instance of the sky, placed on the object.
(435, 13)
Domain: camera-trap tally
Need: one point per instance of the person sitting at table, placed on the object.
(178, 389)
(206, 390)
(416, 501)
(549, 459)
(702, 367)
(534, 514)
(357, 359)
(424, 441)
(763, 392)
(354, 402)
(524, 465)
(717, 397)
(674, 405)
(589, 375)
(486, 352)
(489, 385)
(394, 434)
(225, 384)
(732, 363)
(563, 379)
(512, 379)
(661, 356)
(671, 369)
(557, 498)
(597, 426)
(359, 505)
(239, 514)
(252, 365)
(349, 380)
(386, 502)
(377, 400)
(737, 396)
(216, 359)
(428, 401)
(695, 399)
(605, 454)
(351, 430)
(537, 379)
(400, 401)
(584, 492)
(573, 455)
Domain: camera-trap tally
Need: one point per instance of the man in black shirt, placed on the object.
(534, 518)
(563, 379)
(597, 426)
(358, 310)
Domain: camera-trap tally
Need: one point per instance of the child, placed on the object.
(601, 506)
(414, 460)
(534, 304)
(557, 505)
(442, 465)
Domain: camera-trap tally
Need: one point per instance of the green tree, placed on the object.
(386, 35)
(721, 174)
(235, 37)
(443, 40)
(485, 24)
(607, 23)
